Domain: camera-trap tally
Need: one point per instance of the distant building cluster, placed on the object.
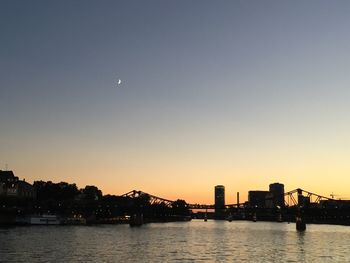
(11, 186)
(274, 198)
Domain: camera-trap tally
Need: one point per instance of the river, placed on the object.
(195, 241)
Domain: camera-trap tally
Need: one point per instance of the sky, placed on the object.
(238, 93)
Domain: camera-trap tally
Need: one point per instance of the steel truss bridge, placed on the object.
(152, 198)
(291, 199)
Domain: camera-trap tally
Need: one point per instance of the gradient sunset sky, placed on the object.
(239, 93)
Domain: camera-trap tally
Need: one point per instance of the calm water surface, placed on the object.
(195, 241)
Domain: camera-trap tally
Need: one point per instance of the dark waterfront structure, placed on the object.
(15, 196)
(274, 198)
(277, 191)
(11, 186)
(219, 201)
(258, 198)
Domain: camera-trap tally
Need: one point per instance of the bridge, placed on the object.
(291, 198)
(152, 198)
(300, 206)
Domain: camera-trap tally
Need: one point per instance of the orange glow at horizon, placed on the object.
(190, 186)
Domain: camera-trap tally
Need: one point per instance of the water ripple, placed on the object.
(196, 241)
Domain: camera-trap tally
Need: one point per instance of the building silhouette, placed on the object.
(219, 201)
(258, 198)
(11, 186)
(277, 191)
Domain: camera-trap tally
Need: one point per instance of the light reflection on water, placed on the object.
(196, 241)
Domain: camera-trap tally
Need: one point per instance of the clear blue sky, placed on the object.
(240, 93)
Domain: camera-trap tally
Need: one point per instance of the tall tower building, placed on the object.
(277, 190)
(219, 200)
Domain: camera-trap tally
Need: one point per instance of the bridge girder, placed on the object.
(295, 195)
(152, 198)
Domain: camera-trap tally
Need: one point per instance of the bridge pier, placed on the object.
(300, 224)
(279, 217)
(299, 220)
(136, 219)
(254, 218)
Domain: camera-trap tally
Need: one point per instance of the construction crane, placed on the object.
(339, 197)
(332, 195)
